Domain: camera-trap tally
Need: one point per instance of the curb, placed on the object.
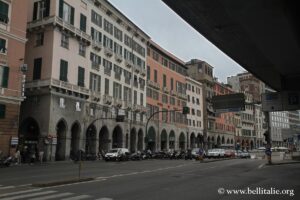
(62, 182)
(283, 163)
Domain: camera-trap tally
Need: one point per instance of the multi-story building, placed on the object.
(203, 72)
(260, 126)
(13, 20)
(86, 66)
(224, 125)
(246, 82)
(166, 92)
(194, 93)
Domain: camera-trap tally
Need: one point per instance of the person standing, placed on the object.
(41, 156)
(18, 156)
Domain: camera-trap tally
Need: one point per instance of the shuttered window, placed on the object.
(37, 68)
(2, 111)
(82, 22)
(63, 71)
(4, 76)
(3, 12)
(81, 76)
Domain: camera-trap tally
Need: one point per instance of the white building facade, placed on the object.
(194, 92)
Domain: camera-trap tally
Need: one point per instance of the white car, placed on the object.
(215, 153)
(117, 154)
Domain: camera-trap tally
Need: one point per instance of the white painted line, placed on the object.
(19, 192)
(261, 165)
(53, 196)
(29, 195)
(105, 198)
(7, 187)
(77, 198)
(25, 185)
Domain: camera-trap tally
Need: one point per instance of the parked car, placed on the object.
(242, 154)
(195, 153)
(118, 154)
(136, 156)
(229, 153)
(216, 153)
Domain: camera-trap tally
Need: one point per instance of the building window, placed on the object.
(164, 80)
(155, 95)
(62, 103)
(127, 76)
(81, 76)
(66, 12)
(155, 76)
(141, 99)
(39, 39)
(95, 82)
(4, 12)
(4, 76)
(118, 34)
(117, 91)
(65, 40)
(118, 72)
(164, 115)
(135, 97)
(96, 35)
(148, 72)
(164, 98)
(3, 49)
(78, 106)
(172, 84)
(82, 49)
(155, 55)
(41, 9)
(63, 76)
(172, 101)
(82, 22)
(2, 111)
(107, 67)
(96, 19)
(108, 27)
(118, 49)
(37, 68)
(107, 42)
(106, 89)
(127, 94)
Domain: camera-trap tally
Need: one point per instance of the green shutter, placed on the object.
(63, 70)
(2, 45)
(3, 12)
(47, 8)
(37, 68)
(5, 77)
(72, 15)
(2, 111)
(81, 76)
(35, 8)
(82, 22)
(61, 8)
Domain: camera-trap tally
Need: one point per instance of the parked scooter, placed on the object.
(6, 162)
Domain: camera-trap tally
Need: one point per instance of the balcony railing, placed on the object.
(97, 45)
(57, 21)
(118, 57)
(3, 58)
(96, 66)
(59, 84)
(127, 105)
(107, 99)
(118, 103)
(128, 63)
(108, 51)
(166, 90)
(143, 72)
(153, 84)
(173, 92)
(136, 68)
(95, 96)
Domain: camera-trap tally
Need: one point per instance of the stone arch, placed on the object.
(223, 140)
(104, 139)
(61, 134)
(151, 138)
(182, 141)
(75, 139)
(117, 137)
(218, 141)
(30, 134)
(231, 141)
(228, 141)
(163, 140)
(90, 142)
(172, 140)
(193, 140)
(140, 140)
(133, 140)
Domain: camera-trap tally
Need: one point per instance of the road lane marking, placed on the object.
(53, 196)
(29, 195)
(77, 198)
(261, 165)
(19, 192)
(7, 187)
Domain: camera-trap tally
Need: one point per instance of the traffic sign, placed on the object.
(229, 103)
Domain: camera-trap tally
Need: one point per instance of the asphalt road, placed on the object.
(154, 179)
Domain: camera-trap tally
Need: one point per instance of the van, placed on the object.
(117, 154)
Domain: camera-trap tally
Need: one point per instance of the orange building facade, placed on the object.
(13, 21)
(225, 122)
(166, 92)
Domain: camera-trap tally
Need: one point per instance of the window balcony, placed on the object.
(57, 21)
(95, 96)
(108, 52)
(96, 66)
(136, 68)
(57, 84)
(3, 58)
(174, 93)
(107, 99)
(107, 71)
(128, 63)
(143, 72)
(118, 103)
(118, 58)
(136, 108)
(166, 90)
(127, 105)
(97, 45)
(153, 84)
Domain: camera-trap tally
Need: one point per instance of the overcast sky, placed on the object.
(172, 33)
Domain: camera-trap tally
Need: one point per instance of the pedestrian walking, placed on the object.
(18, 156)
(41, 156)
